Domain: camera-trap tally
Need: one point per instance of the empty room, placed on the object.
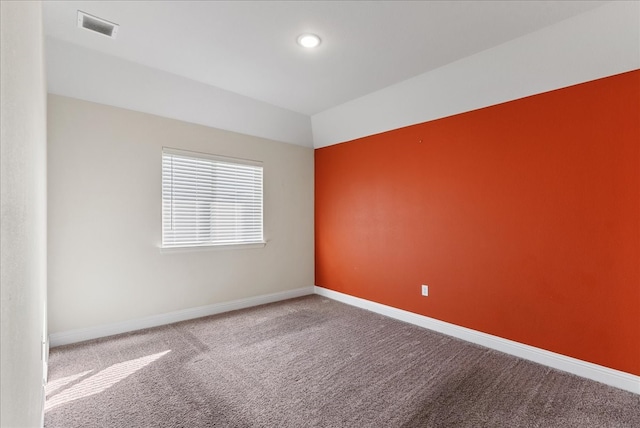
(320, 214)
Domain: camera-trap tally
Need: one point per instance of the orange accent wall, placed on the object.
(523, 218)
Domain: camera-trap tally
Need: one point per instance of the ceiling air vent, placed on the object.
(98, 25)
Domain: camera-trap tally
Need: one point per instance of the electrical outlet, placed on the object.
(425, 290)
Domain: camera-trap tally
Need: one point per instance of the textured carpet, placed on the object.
(313, 362)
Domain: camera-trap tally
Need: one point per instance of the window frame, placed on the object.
(209, 245)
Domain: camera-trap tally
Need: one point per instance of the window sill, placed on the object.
(192, 248)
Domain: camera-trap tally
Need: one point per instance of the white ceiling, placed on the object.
(249, 47)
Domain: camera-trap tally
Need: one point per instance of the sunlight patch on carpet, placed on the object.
(55, 385)
(97, 383)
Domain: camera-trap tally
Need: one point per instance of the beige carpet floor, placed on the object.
(313, 362)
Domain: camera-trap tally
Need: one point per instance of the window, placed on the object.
(209, 200)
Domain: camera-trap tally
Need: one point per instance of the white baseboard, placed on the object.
(43, 395)
(606, 375)
(80, 335)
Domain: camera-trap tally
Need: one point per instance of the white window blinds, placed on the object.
(208, 200)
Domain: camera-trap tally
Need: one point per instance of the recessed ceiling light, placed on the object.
(308, 40)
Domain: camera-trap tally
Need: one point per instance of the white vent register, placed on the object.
(97, 25)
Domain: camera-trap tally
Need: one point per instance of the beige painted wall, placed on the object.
(105, 265)
(23, 157)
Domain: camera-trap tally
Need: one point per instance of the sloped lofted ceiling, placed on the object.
(249, 48)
